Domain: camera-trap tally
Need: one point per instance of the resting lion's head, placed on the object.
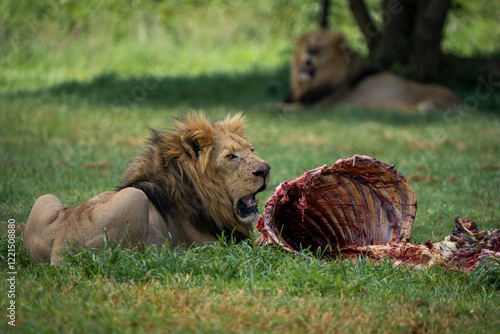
(206, 171)
(321, 63)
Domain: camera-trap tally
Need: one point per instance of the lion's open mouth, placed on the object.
(247, 205)
(307, 71)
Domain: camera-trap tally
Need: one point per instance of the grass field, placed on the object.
(79, 86)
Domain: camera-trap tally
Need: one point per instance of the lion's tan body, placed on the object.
(325, 72)
(191, 185)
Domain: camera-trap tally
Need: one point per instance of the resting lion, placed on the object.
(191, 185)
(325, 72)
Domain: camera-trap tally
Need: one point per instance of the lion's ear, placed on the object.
(194, 142)
(191, 145)
(341, 46)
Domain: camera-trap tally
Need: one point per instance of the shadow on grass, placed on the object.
(203, 91)
(233, 91)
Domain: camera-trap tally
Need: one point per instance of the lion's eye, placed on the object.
(231, 156)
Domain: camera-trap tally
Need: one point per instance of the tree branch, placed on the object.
(323, 14)
(365, 23)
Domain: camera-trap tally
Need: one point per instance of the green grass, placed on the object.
(234, 288)
(77, 95)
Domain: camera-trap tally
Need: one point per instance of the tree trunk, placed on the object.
(366, 24)
(409, 35)
(395, 44)
(427, 54)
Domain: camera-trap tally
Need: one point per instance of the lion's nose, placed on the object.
(263, 170)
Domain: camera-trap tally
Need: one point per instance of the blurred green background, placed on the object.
(73, 40)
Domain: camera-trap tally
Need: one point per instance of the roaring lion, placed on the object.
(189, 186)
(325, 72)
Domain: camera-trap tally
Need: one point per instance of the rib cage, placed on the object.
(359, 201)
